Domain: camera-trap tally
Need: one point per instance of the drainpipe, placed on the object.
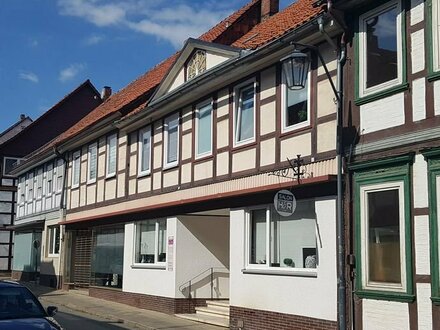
(340, 232)
(63, 214)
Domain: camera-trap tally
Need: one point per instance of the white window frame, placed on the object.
(110, 138)
(51, 230)
(284, 88)
(364, 190)
(76, 162)
(236, 100)
(363, 90)
(156, 264)
(197, 115)
(167, 120)
(142, 132)
(18, 161)
(93, 146)
(266, 268)
(435, 21)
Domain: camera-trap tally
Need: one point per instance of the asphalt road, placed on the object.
(73, 320)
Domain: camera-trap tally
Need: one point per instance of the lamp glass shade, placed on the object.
(296, 68)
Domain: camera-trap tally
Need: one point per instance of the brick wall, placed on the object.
(155, 303)
(244, 318)
(23, 276)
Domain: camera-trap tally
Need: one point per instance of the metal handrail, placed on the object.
(188, 283)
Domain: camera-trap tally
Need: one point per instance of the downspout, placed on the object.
(340, 226)
(63, 214)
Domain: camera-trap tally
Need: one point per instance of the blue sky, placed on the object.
(49, 47)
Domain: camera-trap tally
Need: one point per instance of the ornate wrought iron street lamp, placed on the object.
(296, 68)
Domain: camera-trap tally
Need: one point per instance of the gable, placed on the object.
(185, 68)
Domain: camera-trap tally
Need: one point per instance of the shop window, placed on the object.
(107, 256)
(380, 42)
(204, 129)
(144, 154)
(244, 115)
(111, 155)
(276, 242)
(383, 233)
(76, 168)
(296, 107)
(54, 240)
(171, 132)
(151, 236)
(92, 162)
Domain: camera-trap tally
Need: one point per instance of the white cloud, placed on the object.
(70, 72)
(30, 76)
(170, 20)
(93, 40)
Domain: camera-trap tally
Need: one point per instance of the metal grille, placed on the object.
(82, 258)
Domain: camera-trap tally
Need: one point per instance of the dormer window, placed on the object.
(196, 65)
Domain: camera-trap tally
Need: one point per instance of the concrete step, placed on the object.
(207, 319)
(215, 311)
(220, 303)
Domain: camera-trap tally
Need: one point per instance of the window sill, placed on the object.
(143, 175)
(91, 182)
(170, 166)
(57, 255)
(435, 300)
(74, 187)
(149, 266)
(383, 295)
(298, 272)
(435, 75)
(110, 176)
(381, 94)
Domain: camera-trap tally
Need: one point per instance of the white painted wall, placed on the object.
(305, 296)
(203, 242)
(421, 240)
(424, 306)
(150, 281)
(381, 114)
(384, 315)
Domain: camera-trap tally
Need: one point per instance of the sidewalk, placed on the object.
(134, 317)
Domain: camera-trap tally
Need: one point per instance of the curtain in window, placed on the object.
(145, 156)
(111, 160)
(93, 154)
(204, 129)
(76, 169)
(172, 140)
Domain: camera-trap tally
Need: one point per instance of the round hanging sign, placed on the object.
(285, 203)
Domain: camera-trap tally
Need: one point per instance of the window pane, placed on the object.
(111, 155)
(5, 219)
(245, 114)
(258, 237)
(57, 240)
(383, 236)
(93, 156)
(146, 235)
(5, 207)
(107, 256)
(76, 168)
(204, 129)
(293, 239)
(162, 241)
(381, 44)
(145, 152)
(5, 195)
(172, 142)
(296, 106)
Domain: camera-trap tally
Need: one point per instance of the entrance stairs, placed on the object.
(215, 313)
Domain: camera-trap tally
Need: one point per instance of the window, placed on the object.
(244, 116)
(144, 154)
(21, 190)
(59, 175)
(296, 113)
(39, 183)
(171, 127)
(92, 160)
(435, 23)
(54, 240)
(151, 238)
(9, 163)
(30, 187)
(76, 169)
(204, 129)
(196, 65)
(49, 179)
(380, 46)
(111, 155)
(383, 231)
(287, 243)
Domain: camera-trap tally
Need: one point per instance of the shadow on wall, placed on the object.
(45, 274)
(190, 289)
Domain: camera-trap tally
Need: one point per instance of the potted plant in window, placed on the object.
(289, 262)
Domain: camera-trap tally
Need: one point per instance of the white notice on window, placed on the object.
(170, 254)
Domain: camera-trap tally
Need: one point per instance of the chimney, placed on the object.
(106, 92)
(268, 8)
(22, 116)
